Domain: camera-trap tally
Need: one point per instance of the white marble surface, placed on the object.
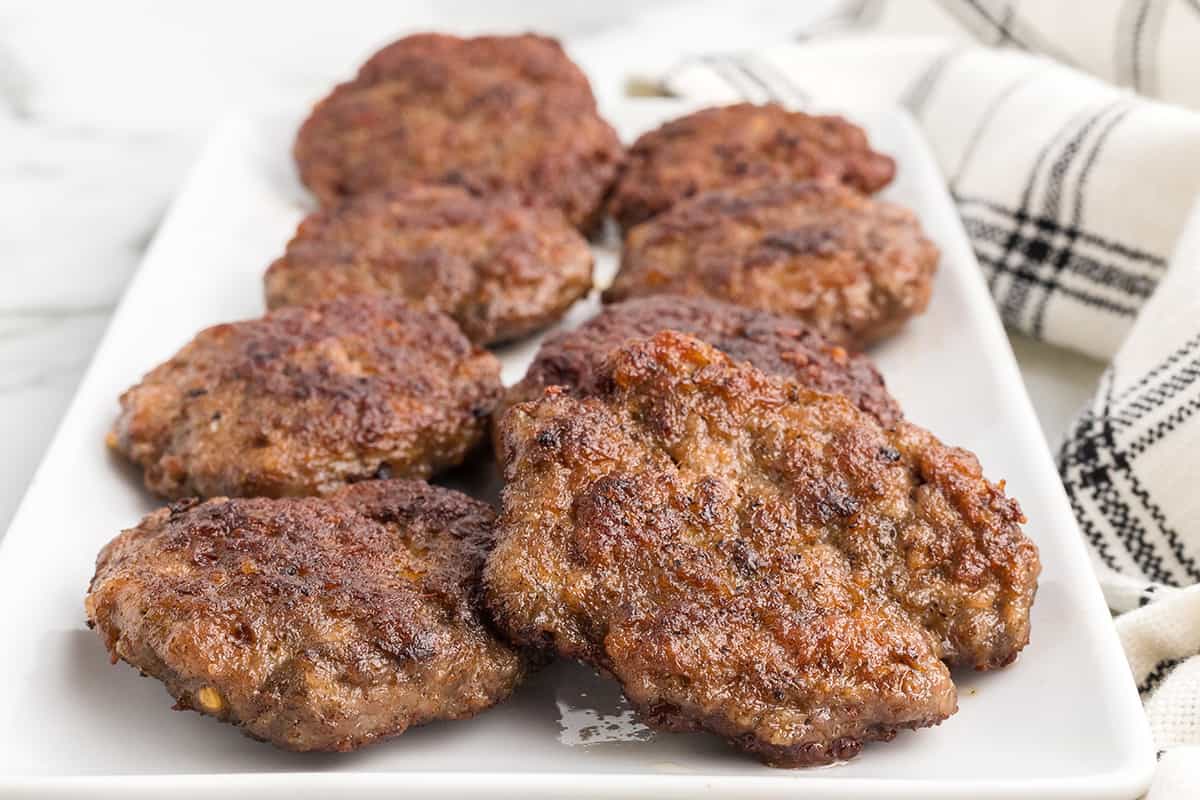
(104, 105)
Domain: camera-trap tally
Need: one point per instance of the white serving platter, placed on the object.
(1064, 721)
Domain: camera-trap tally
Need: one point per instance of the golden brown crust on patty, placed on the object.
(304, 400)
(744, 143)
(491, 113)
(754, 558)
(314, 624)
(777, 345)
(854, 268)
(500, 269)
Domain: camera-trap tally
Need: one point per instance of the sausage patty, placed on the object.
(754, 558)
(854, 268)
(719, 147)
(304, 400)
(776, 345)
(490, 113)
(314, 624)
(500, 269)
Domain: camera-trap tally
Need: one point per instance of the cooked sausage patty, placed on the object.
(305, 400)
(854, 268)
(314, 624)
(490, 113)
(500, 269)
(777, 345)
(752, 557)
(720, 147)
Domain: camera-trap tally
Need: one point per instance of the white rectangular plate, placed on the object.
(1064, 721)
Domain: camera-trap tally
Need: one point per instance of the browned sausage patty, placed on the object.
(744, 143)
(491, 113)
(776, 345)
(500, 269)
(305, 400)
(314, 624)
(754, 558)
(854, 268)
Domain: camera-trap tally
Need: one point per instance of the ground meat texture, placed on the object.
(500, 269)
(720, 147)
(313, 624)
(854, 268)
(490, 113)
(777, 345)
(754, 558)
(305, 400)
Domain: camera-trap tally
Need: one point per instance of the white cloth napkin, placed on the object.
(1146, 45)
(1078, 198)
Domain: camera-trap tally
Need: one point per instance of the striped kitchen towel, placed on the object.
(1146, 45)
(1077, 195)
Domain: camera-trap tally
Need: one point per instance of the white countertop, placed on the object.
(104, 105)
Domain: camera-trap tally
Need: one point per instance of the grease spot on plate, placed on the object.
(597, 713)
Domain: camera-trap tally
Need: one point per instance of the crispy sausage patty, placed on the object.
(304, 400)
(744, 143)
(754, 558)
(490, 113)
(500, 269)
(854, 268)
(777, 345)
(314, 624)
